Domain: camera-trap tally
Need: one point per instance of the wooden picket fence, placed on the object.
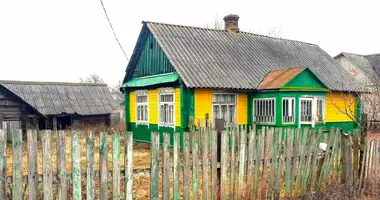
(249, 163)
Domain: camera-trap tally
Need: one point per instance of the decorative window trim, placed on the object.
(294, 110)
(142, 93)
(166, 91)
(274, 109)
(314, 100)
(234, 118)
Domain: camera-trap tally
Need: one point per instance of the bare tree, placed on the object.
(115, 91)
(93, 78)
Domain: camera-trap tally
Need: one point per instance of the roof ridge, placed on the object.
(51, 83)
(223, 30)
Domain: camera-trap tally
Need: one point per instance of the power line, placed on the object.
(113, 31)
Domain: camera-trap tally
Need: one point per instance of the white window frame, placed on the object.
(234, 118)
(161, 93)
(294, 109)
(274, 109)
(314, 100)
(142, 93)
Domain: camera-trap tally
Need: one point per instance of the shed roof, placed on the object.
(210, 58)
(54, 98)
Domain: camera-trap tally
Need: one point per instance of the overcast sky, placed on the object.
(45, 40)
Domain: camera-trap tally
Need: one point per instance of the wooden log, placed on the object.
(154, 165)
(61, 163)
(259, 137)
(17, 164)
(176, 164)
(205, 164)
(214, 175)
(224, 157)
(32, 165)
(103, 165)
(250, 165)
(116, 165)
(186, 167)
(128, 165)
(166, 168)
(234, 134)
(242, 149)
(195, 164)
(90, 170)
(3, 163)
(76, 170)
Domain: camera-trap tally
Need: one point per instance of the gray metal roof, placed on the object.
(209, 58)
(370, 64)
(53, 98)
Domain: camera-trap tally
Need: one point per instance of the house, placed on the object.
(53, 105)
(365, 69)
(180, 71)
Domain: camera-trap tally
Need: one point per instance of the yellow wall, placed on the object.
(242, 107)
(153, 106)
(132, 106)
(202, 103)
(336, 104)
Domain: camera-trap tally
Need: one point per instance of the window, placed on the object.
(288, 110)
(142, 111)
(223, 107)
(166, 109)
(306, 110)
(264, 110)
(320, 110)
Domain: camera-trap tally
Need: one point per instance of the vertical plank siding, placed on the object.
(270, 164)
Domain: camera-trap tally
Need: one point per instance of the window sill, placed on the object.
(166, 125)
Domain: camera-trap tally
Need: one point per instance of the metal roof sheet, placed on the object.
(210, 58)
(276, 79)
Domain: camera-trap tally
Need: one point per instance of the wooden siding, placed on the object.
(202, 103)
(242, 108)
(177, 107)
(305, 79)
(152, 59)
(153, 106)
(336, 103)
(132, 106)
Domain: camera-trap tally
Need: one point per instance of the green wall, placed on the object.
(306, 79)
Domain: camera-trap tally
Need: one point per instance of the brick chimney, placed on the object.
(231, 23)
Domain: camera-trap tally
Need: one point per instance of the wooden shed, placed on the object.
(54, 105)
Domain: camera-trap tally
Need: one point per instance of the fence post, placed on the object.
(32, 165)
(154, 165)
(75, 159)
(61, 163)
(103, 165)
(17, 164)
(90, 186)
(347, 159)
(166, 168)
(116, 165)
(3, 159)
(128, 165)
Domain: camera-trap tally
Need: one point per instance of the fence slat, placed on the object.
(61, 163)
(90, 170)
(243, 143)
(103, 165)
(252, 134)
(32, 165)
(279, 143)
(186, 167)
(3, 159)
(205, 159)
(296, 137)
(214, 149)
(154, 165)
(46, 164)
(176, 151)
(233, 160)
(267, 148)
(224, 158)
(76, 171)
(195, 164)
(166, 168)
(302, 148)
(259, 138)
(289, 153)
(128, 165)
(326, 168)
(116, 165)
(17, 164)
